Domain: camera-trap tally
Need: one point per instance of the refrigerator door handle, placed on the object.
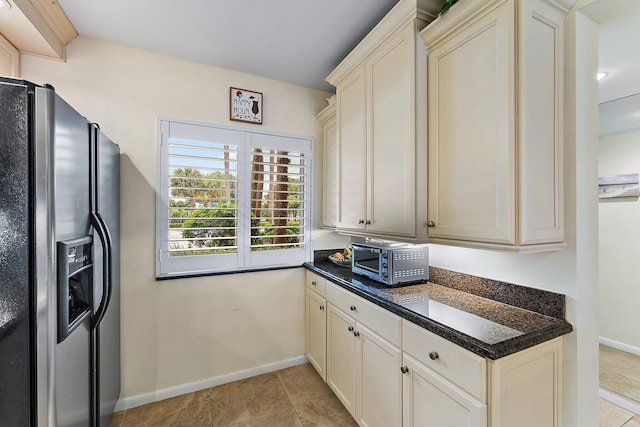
(105, 239)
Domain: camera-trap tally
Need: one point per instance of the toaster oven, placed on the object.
(391, 263)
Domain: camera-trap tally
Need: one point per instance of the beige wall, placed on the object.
(620, 245)
(180, 331)
(208, 322)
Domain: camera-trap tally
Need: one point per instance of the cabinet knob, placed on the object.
(356, 334)
(430, 224)
(404, 369)
(434, 355)
(350, 328)
(313, 283)
(361, 221)
(352, 308)
(367, 222)
(322, 308)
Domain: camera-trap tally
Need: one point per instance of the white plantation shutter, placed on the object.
(231, 200)
(279, 199)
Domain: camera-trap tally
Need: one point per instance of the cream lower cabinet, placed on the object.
(363, 367)
(443, 384)
(316, 323)
(446, 385)
(526, 387)
(495, 89)
(316, 332)
(341, 357)
(430, 400)
(390, 372)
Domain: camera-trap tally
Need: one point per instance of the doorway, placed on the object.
(619, 216)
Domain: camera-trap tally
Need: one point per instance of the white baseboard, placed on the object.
(620, 346)
(621, 401)
(158, 395)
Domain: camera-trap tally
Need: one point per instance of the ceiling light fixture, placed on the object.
(601, 74)
(4, 4)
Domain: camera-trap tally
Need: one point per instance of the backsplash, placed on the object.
(540, 301)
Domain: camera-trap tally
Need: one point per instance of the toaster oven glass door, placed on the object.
(367, 258)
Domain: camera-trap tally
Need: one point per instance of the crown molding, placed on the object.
(403, 13)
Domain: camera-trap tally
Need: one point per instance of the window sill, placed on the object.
(223, 273)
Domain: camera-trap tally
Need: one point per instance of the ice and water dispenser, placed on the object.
(75, 284)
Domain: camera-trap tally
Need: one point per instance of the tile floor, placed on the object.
(620, 372)
(293, 397)
(615, 416)
(297, 397)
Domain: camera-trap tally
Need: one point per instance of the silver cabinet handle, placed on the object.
(313, 283)
(356, 334)
(322, 308)
(352, 308)
(434, 355)
(404, 369)
(361, 221)
(367, 222)
(431, 224)
(350, 328)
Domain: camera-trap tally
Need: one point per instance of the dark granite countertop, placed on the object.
(487, 327)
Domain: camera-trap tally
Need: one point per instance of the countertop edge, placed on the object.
(490, 351)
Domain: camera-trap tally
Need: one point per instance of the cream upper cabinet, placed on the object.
(9, 59)
(327, 119)
(495, 71)
(352, 150)
(381, 102)
(391, 154)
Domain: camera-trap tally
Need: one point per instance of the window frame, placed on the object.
(245, 259)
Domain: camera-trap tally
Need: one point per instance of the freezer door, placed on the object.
(15, 272)
(72, 207)
(107, 207)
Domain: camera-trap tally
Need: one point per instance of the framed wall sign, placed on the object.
(614, 186)
(245, 105)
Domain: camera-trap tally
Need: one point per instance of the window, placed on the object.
(231, 200)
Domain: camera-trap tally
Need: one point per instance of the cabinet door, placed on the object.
(341, 357)
(471, 84)
(330, 173)
(526, 387)
(352, 139)
(540, 100)
(391, 150)
(9, 59)
(379, 380)
(430, 400)
(316, 332)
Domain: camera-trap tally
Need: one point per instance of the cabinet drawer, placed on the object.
(383, 322)
(315, 283)
(463, 368)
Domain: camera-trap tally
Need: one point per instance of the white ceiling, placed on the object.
(295, 41)
(619, 56)
(300, 42)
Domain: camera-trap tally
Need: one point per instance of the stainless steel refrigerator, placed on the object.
(59, 263)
